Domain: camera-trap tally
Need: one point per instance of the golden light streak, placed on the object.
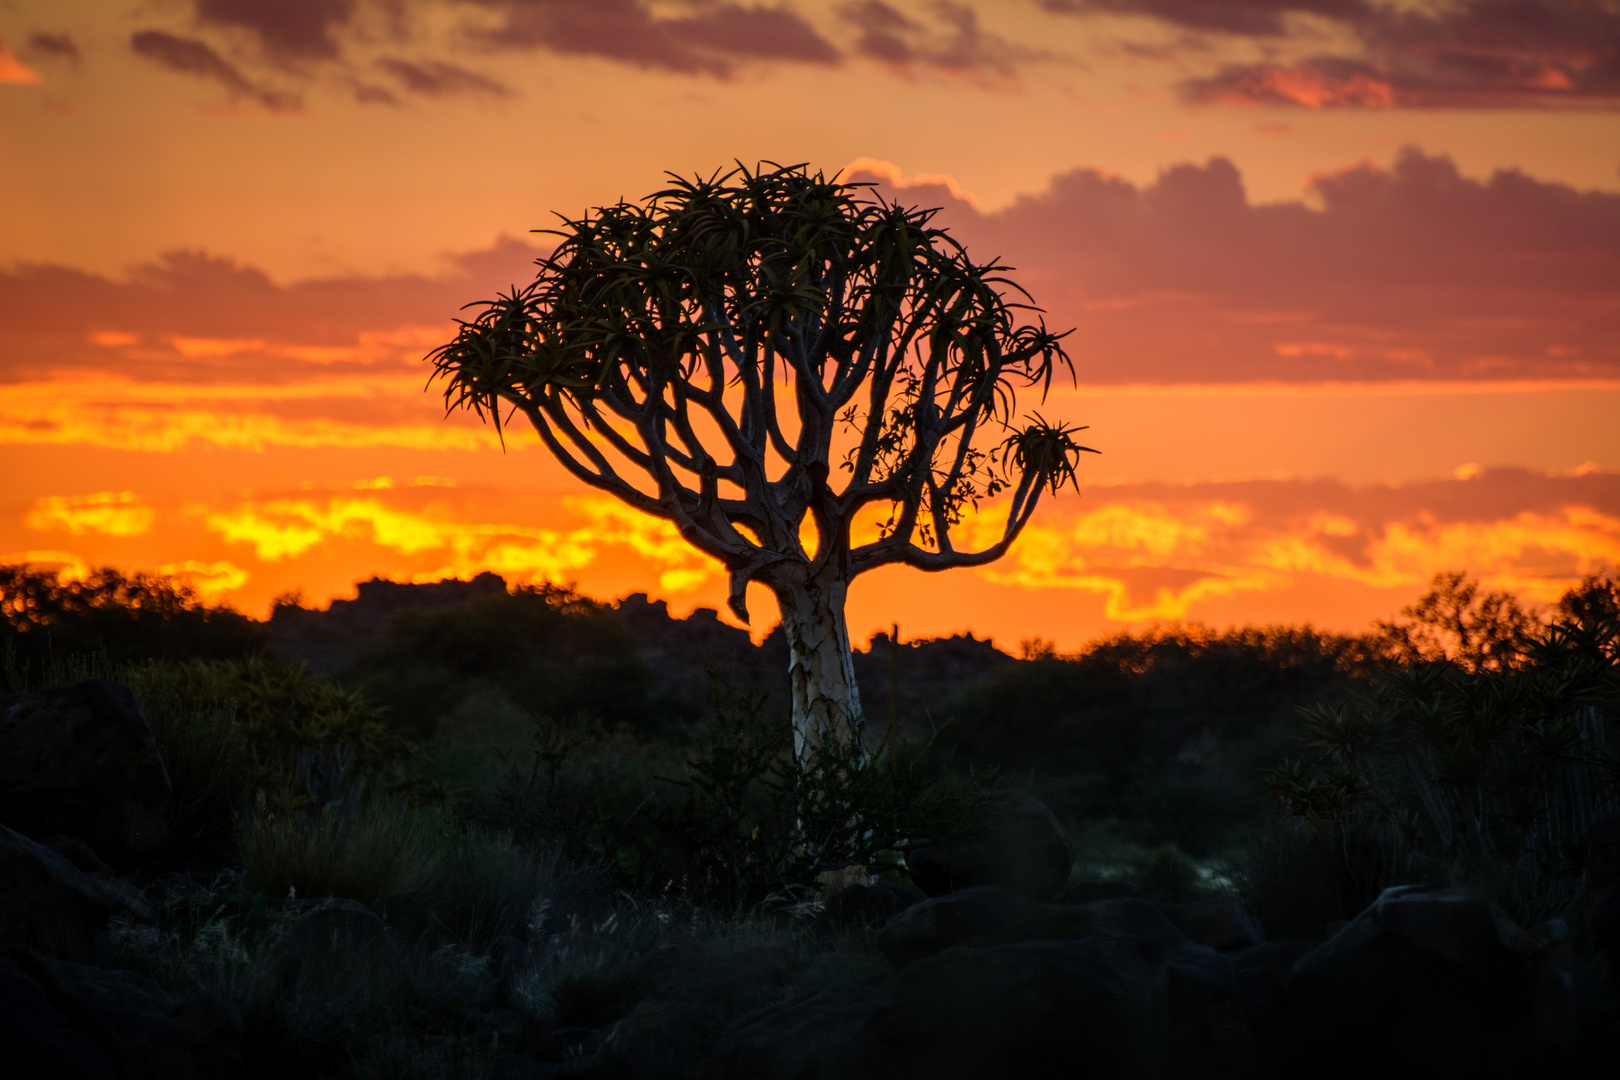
(13, 70)
(115, 513)
(212, 580)
(69, 567)
(162, 417)
(288, 528)
(1216, 553)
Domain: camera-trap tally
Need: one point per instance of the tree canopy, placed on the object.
(720, 323)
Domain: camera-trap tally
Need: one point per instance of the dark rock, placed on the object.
(979, 917)
(664, 1036)
(1425, 981)
(858, 905)
(523, 1068)
(1220, 924)
(1262, 976)
(47, 904)
(213, 1030)
(1086, 892)
(78, 853)
(1021, 847)
(1107, 1005)
(1594, 918)
(559, 1044)
(124, 898)
(35, 1038)
(125, 1015)
(82, 762)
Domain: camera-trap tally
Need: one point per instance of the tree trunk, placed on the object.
(826, 701)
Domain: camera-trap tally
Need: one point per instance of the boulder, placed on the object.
(82, 762)
(1594, 930)
(1106, 1005)
(1426, 981)
(78, 853)
(986, 916)
(213, 1030)
(1262, 977)
(47, 904)
(1219, 924)
(37, 1039)
(858, 905)
(124, 1015)
(1021, 846)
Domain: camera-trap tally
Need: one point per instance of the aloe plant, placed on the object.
(696, 354)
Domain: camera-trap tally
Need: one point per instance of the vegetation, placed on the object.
(123, 617)
(685, 318)
(1488, 759)
(516, 839)
(546, 649)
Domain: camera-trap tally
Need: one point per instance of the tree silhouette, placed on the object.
(713, 341)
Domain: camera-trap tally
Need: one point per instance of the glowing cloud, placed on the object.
(115, 513)
(288, 528)
(13, 70)
(211, 579)
(159, 417)
(1154, 561)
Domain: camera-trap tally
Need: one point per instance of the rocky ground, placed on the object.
(993, 965)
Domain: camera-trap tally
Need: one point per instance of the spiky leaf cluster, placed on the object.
(693, 354)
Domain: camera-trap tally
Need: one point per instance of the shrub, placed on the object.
(1497, 768)
(312, 1005)
(419, 867)
(1299, 876)
(123, 617)
(757, 820)
(547, 648)
(209, 759)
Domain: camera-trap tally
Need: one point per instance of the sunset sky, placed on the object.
(1344, 278)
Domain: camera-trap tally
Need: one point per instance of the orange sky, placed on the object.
(1347, 302)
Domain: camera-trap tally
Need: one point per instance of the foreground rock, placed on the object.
(1108, 1005)
(82, 762)
(1022, 847)
(857, 905)
(1219, 924)
(48, 904)
(1428, 981)
(985, 916)
(69, 1021)
(1594, 923)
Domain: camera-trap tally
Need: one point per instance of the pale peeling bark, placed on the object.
(821, 669)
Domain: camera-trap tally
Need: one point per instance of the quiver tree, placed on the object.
(698, 354)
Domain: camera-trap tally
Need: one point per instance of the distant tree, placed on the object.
(1456, 621)
(696, 353)
(125, 616)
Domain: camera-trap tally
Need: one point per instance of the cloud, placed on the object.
(55, 47)
(1409, 272)
(192, 57)
(710, 40)
(55, 320)
(113, 513)
(956, 44)
(1456, 54)
(212, 580)
(1261, 18)
(435, 78)
(14, 71)
(445, 544)
(1166, 552)
(1147, 551)
(287, 30)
